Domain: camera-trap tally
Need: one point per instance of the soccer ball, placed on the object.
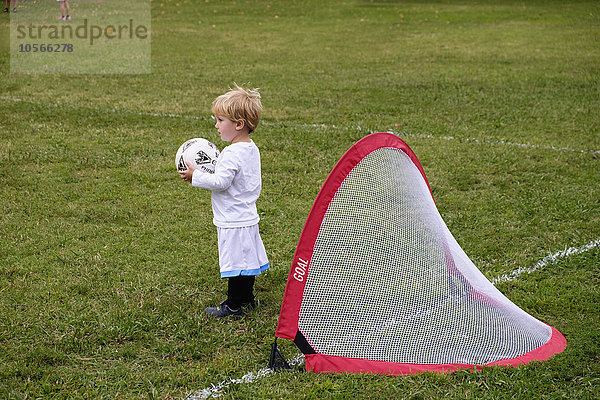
(199, 152)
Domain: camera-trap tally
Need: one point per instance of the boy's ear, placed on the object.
(239, 125)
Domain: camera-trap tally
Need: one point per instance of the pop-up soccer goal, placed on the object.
(379, 284)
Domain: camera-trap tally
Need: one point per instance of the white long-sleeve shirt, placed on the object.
(235, 185)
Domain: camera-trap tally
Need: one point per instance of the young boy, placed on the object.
(235, 185)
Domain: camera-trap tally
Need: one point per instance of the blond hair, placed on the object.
(239, 104)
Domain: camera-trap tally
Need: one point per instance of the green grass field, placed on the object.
(107, 259)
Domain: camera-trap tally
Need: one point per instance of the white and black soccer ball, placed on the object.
(199, 152)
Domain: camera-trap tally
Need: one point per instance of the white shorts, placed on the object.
(241, 252)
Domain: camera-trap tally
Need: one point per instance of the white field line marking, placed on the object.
(549, 259)
(105, 110)
(308, 126)
(500, 142)
(216, 390)
(466, 140)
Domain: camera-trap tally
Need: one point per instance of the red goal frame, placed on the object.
(290, 309)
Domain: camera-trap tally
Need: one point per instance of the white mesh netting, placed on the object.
(387, 281)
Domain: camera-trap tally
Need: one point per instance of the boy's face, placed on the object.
(228, 129)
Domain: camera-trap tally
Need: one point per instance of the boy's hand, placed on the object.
(187, 174)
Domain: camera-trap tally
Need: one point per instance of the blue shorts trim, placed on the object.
(245, 272)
